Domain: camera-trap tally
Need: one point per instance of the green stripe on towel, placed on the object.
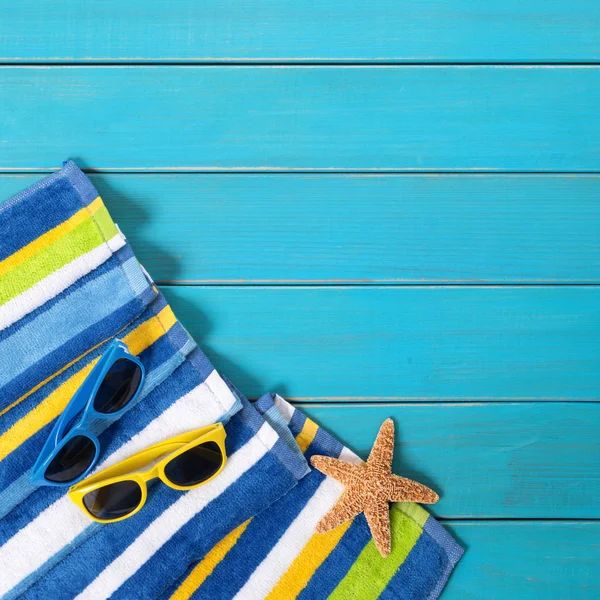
(370, 574)
(81, 240)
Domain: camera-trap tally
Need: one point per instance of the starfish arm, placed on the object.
(341, 471)
(378, 518)
(346, 508)
(382, 452)
(401, 489)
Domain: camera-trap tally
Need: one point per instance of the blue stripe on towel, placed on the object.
(324, 443)
(200, 360)
(297, 422)
(40, 208)
(265, 403)
(412, 580)
(80, 182)
(439, 534)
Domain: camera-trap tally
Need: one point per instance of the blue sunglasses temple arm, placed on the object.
(83, 395)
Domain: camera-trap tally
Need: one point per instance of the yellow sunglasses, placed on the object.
(118, 492)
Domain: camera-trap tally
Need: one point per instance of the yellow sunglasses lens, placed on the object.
(195, 465)
(113, 501)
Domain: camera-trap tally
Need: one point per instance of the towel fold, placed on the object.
(69, 284)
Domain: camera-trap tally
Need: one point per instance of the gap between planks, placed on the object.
(267, 170)
(282, 62)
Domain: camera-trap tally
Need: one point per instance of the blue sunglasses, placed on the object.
(108, 391)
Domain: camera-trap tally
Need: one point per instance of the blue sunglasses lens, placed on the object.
(118, 387)
(72, 460)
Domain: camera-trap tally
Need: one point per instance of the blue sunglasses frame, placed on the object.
(83, 400)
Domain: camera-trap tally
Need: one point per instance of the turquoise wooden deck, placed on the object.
(385, 208)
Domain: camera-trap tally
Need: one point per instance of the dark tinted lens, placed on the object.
(195, 465)
(118, 386)
(72, 460)
(114, 500)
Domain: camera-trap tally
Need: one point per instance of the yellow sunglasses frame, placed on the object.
(132, 468)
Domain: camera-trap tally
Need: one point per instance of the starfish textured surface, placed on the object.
(370, 487)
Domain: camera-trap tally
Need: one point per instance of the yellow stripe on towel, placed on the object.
(49, 237)
(137, 341)
(307, 435)
(208, 564)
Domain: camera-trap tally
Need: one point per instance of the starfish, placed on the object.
(370, 487)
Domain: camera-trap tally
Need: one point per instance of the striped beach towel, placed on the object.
(69, 283)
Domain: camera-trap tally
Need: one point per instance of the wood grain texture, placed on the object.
(526, 560)
(364, 229)
(486, 460)
(417, 343)
(336, 30)
(375, 345)
(303, 118)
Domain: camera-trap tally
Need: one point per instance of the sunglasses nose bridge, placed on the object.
(151, 473)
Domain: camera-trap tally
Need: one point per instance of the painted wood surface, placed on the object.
(415, 343)
(266, 30)
(394, 118)
(506, 560)
(490, 460)
(359, 229)
(447, 361)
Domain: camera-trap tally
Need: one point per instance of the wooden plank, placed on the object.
(262, 30)
(302, 118)
(526, 560)
(487, 460)
(364, 229)
(414, 343)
